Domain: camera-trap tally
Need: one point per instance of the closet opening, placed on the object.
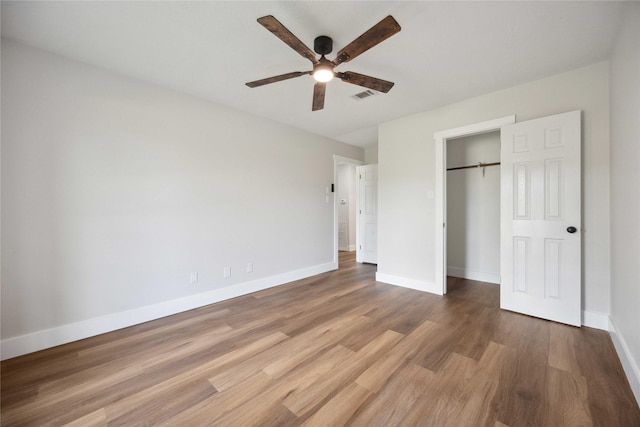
(473, 207)
(441, 227)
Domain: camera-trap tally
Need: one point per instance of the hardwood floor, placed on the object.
(331, 350)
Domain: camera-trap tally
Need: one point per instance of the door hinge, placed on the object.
(443, 225)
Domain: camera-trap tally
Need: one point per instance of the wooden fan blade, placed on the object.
(374, 35)
(280, 31)
(277, 78)
(365, 81)
(318, 96)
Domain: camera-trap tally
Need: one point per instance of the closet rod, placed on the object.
(479, 165)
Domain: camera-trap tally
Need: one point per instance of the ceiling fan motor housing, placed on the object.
(323, 45)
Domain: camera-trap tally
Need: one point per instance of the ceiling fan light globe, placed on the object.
(323, 75)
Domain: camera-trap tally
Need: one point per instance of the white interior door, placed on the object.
(367, 236)
(541, 218)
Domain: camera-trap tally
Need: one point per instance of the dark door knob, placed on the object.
(572, 229)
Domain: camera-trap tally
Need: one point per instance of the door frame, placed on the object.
(337, 161)
(441, 138)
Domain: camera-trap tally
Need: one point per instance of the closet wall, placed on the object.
(473, 208)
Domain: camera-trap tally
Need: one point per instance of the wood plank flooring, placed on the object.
(331, 350)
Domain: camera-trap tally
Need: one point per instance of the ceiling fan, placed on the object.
(323, 69)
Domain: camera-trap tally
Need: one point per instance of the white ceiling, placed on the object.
(446, 51)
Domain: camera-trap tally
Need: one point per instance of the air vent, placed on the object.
(363, 95)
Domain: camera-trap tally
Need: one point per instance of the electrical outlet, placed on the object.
(249, 267)
(227, 272)
(194, 277)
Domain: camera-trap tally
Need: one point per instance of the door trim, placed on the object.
(441, 138)
(339, 160)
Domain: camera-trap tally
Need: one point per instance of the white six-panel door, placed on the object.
(541, 218)
(367, 218)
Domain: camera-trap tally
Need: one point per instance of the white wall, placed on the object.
(625, 195)
(371, 155)
(114, 190)
(473, 208)
(407, 155)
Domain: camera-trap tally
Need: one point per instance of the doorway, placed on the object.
(441, 189)
(473, 207)
(345, 197)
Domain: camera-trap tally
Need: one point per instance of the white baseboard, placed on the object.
(629, 365)
(23, 344)
(405, 282)
(473, 275)
(596, 320)
(349, 248)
